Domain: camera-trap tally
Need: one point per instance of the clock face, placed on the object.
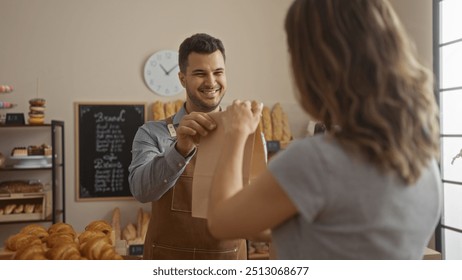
(161, 73)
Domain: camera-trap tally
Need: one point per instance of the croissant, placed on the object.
(59, 238)
(20, 240)
(100, 225)
(90, 234)
(99, 248)
(64, 251)
(38, 230)
(62, 228)
(34, 252)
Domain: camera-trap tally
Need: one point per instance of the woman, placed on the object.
(370, 187)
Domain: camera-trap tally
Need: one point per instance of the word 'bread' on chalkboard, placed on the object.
(105, 134)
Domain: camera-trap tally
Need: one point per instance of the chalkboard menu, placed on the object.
(104, 136)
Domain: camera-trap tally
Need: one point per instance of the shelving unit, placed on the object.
(24, 135)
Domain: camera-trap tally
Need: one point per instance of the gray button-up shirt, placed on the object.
(156, 164)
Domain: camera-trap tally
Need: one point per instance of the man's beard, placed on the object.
(203, 107)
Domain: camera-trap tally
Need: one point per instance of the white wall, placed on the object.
(70, 51)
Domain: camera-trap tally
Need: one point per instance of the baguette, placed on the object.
(158, 110)
(178, 104)
(169, 108)
(276, 122)
(266, 122)
(116, 223)
(9, 208)
(139, 222)
(286, 132)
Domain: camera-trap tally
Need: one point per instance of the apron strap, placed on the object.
(170, 126)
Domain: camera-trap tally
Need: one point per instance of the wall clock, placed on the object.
(161, 73)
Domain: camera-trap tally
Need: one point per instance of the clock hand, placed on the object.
(165, 71)
(168, 72)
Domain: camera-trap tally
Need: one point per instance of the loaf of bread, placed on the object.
(129, 232)
(266, 123)
(145, 225)
(276, 122)
(178, 104)
(29, 208)
(9, 208)
(116, 223)
(158, 110)
(139, 222)
(169, 108)
(286, 131)
(18, 209)
(21, 186)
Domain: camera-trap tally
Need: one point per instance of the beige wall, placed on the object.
(70, 51)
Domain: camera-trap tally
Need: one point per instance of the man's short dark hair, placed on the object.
(199, 43)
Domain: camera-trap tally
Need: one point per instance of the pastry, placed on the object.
(19, 186)
(36, 111)
(158, 110)
(37, 230)
(55, 239)
(37, 102)
(276, 122)
(64, 251)
(90, 234)
(62, 228)
(34, 252)
(100, 225)
(20, 240)
(2, 211)
(266, 123)
(19, 151)
(6, 88)
(99, 249)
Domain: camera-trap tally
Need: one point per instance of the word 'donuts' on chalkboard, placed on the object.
(105, 134)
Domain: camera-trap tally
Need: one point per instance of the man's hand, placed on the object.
(191, 127)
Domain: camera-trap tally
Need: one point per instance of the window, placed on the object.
(448, 71)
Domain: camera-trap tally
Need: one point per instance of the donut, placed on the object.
(36, 120)
(37, 102)
(37, 109)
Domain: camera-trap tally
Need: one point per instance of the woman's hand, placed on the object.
(242, 117)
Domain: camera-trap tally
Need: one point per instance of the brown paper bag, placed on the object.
(207, 157)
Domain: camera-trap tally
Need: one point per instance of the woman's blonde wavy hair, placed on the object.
(355, 67)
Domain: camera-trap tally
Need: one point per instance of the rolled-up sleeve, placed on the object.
(156, 164)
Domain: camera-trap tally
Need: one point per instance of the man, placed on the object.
(163, 158)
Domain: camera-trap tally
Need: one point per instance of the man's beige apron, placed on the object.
(174, 234)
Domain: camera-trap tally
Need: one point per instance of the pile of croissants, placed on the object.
(61, 242)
